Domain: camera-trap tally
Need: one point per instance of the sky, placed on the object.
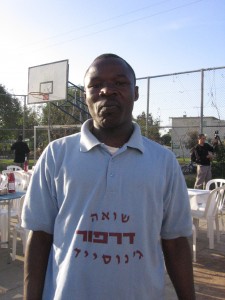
(154, 36)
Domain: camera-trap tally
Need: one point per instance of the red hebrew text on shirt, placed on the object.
(108, 238)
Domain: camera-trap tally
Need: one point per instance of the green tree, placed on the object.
(52, 115)
(11, 115)
(14, 118)
(218, 166)
(152, 130)
(32, 118)
(166, 140)
(192, 139)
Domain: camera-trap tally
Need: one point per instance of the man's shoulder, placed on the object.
(154, 146)
(63, 146)
(197, 147)
(208, 145)
(193, 148)
(67, 139)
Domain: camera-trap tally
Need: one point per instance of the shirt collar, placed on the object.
(89, 141)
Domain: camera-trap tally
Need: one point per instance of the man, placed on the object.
(21, 151)
(203, 154)
(105, 203)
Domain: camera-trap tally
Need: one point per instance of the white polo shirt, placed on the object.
(107, 214)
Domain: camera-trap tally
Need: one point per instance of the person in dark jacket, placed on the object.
(203, 153)
(21, 151)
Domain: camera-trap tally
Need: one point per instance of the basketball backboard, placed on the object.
(48, 82)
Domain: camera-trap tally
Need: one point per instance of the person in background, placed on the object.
(107, 207)
(203, 155)
(21, 150)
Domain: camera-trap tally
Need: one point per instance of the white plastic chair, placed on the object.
(3, 212)
(21, 181)
(212, 184)
(209, 212)
(14, 168)
(3, 227)
(6, 172)
(3, 181)
(18, 229)
(4, 218)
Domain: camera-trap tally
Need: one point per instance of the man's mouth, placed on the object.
(108, 109)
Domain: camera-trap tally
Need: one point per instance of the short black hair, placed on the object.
(111, 55)
(201, 135)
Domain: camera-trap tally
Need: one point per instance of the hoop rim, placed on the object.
(38, 93)
(44, 95)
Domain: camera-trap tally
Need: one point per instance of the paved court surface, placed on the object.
(209, 272)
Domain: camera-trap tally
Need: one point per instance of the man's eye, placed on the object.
(120, 83)
(95, 85)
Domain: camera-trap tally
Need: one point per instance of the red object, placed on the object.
(25, 166)
(11, 183)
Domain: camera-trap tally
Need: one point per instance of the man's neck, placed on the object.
(113, 137)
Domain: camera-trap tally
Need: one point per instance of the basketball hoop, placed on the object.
(45, 96)
(38, 95)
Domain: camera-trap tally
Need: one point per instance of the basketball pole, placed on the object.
(24, 114)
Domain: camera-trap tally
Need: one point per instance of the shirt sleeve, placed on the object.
(40, 206)
(177, 220)
(210, 148)
(27, 149)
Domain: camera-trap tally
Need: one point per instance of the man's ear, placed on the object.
(136, 93)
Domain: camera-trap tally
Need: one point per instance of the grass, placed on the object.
(183, 161)
(190, 180)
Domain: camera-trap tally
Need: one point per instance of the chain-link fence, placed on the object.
(40, 138)
(180, 103)
(184, 102)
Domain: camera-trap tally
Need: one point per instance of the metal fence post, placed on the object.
(202, 101)
(148, 97)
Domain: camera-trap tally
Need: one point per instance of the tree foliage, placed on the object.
(192, 139)
(11, 115)
(52, 115)
(14, 117)
(149, 126)
(166, 140)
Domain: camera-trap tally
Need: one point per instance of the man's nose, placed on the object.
(108, 89)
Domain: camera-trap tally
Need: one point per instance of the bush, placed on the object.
(190, 180)
(218, 170)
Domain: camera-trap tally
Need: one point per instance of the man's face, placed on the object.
(110, 93)
(202, 140)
